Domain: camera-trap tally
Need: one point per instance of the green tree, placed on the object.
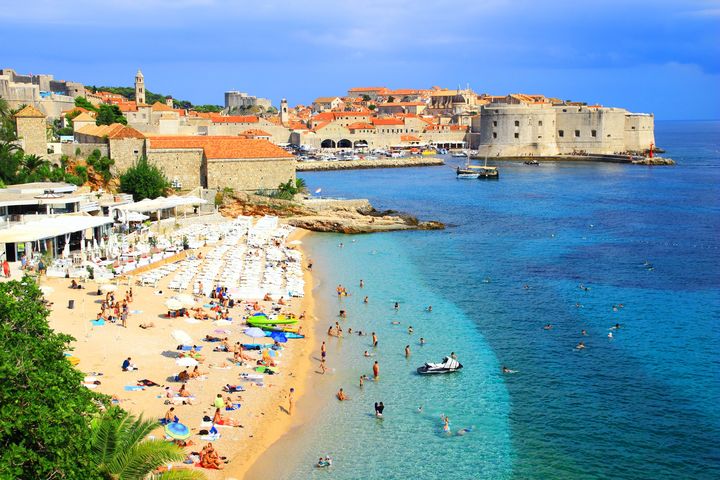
(122, 451)
(109, 114)
(366, 98)
(390, 99)
(144, 180)
(33, 162)
(7, 124)
(44, 409)
(85, 103)
(371, 107)
(11, 157)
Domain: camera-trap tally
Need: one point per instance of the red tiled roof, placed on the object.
(126, 132)
(161, 107)
(367, 89)
(254, 132)
(29, 112)
(235, 119)
(409, 138)
(387, 121)
(360, 125)
(221, 147)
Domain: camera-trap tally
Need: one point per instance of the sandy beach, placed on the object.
(101, 349)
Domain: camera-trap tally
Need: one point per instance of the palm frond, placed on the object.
(105, 439)
(135, 429)
(183, 474)
(144, 457)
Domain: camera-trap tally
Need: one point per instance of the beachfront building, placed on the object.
(518, 127)
(43, 217)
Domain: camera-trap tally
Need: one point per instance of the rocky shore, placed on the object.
(418, 161)
(327, 215)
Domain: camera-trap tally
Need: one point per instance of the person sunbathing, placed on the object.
(218, 419)
(196, 373)
(200, 314)
(184, 392)
(209, 458)
(183, 376)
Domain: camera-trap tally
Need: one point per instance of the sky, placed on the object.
(654, 56)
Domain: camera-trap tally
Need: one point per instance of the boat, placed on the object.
(458, 154)
(260, 320)
(466, 173)
(484, 172)
(448, 365)
(531, 162)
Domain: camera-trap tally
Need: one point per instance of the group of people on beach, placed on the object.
(113, 310)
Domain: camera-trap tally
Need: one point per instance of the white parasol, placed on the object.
(185, 299)
(173, 304)
(46, 290)
(186, 362)
(182, 337)
(108, 287)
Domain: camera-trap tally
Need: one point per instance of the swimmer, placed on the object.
(446, 423)
(616, 327)
(526, 286)
(376, 370)
(578, 305)
(407, 351)
(429, 308)
(367, 354)
(397, 306)
(420, 409)
(610, 335)
(507, 370)
(580, 346)
(395, 323)
(362, 380)
(584, 332)
(374, 339)
(362, 284)
(365, 300)
(548, 327)
(486, 280)
(422, 341)
(410, 329)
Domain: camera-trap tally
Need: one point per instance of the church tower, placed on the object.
(284, 116)
(139, 88)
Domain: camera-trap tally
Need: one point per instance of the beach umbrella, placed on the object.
(173, 304)
(182, 337)
(278, 337)
(46, 290)
(108, 287)
(185, 299)
(177, 431)
(186, 362)
(254, 332)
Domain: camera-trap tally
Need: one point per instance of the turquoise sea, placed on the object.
(639, 405)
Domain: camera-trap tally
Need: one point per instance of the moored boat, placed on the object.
(448, 365)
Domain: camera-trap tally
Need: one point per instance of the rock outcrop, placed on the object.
(327, 215)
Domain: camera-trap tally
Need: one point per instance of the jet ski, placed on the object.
(448, 365)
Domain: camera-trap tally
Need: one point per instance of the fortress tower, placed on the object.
(284, 117)
(139, 88)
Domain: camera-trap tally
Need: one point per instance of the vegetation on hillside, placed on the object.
(150, 98)
(106, 114)
(144, 180)
(287, 190)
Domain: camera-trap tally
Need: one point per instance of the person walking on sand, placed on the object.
(322, 366)
(291, 401)
(323, 351)
(376, 370)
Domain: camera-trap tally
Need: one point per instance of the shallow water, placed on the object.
(639, 405)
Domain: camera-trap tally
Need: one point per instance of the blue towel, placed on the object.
(187, 348)
(133, 388)
(98, 323)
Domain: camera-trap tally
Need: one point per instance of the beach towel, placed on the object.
(210, 438)
(98, 323)
(136, 312)
(147, 383)
(133, 388)
(235, 406)
(192, 320)
(91, 386)
(187, 348)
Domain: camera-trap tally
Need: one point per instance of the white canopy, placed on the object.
(162, 203)
(49, 227)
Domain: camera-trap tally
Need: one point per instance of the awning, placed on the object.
(161, 203)
(50, 227)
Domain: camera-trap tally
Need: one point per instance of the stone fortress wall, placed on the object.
(504, 130)
(249, 175)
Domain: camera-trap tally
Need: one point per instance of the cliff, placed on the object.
(327, 215)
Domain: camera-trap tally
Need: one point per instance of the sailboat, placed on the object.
(466, 171)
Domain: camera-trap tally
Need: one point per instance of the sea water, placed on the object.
(570, 246)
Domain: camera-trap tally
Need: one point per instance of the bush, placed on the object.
(144, 180)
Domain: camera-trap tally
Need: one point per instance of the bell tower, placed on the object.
(139, 88)
(284, 116)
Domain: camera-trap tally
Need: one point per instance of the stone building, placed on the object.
(326, 104)
(240, 100)
(32, 131)
(545, 129)
(48, 95)
(139, 88)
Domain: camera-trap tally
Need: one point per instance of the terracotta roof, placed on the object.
(401, 104)
(222, 147)
(325, 99)
(84, 117)
(101, 130)
(127, 107)
(387, 121)
(126, 132)
(254, 132)
(409, 138)
(297, 125)
(324, 116)
(73, 110)
(367, 89)
(234, 119)
(161, 107)
(360, 125)
(29, 112)
(352, 114)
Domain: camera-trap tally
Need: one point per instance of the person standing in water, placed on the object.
(365, 300)
(374, 339)
(362, 284)
(397, 306)
(376, 370)
(407, 351)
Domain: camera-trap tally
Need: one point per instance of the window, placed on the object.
(494, 123)
(593, 133)
(517, 123)
(633, 128)
(564, 109)
(561, 133)
(494, 134)
(517, 135)
(539, 123)
(577, 133)
(539, 136)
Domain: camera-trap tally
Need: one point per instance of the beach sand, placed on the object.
(102, 349)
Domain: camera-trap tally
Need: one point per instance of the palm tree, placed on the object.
(32, 162)
(122, 453)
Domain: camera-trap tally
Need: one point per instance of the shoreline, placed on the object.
(368, 164)
(279, 424)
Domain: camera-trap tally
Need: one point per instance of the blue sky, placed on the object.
(648, 56)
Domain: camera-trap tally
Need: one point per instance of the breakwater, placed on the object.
(362, 164)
